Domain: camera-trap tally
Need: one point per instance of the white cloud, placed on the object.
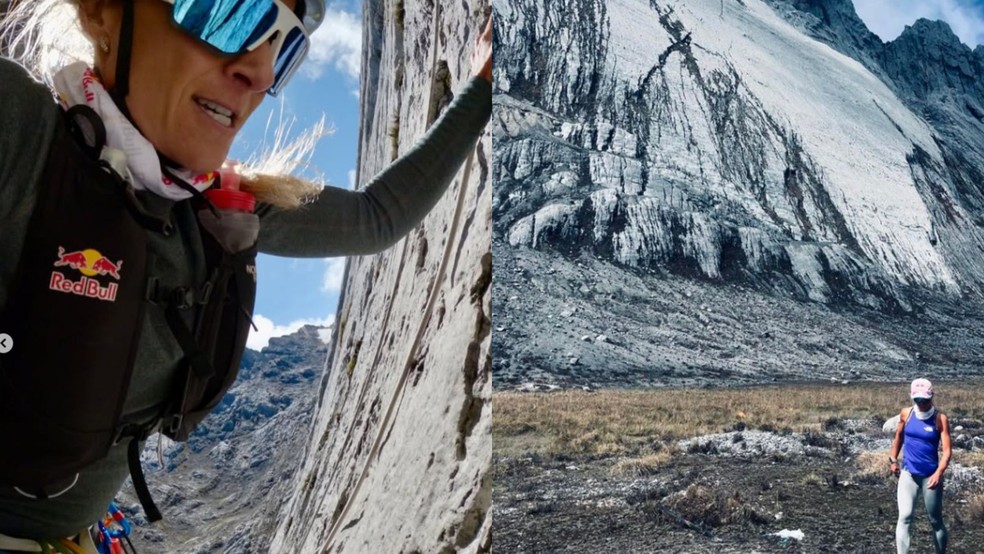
(334, 273)
(887, 18)
(351, 179)
(266, 329)
(325, 335)
(336, 43)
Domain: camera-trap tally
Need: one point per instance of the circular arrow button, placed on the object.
(6, 343)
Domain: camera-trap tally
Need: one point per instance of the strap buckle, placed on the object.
(182, 298)
(172, 424)
(130, 430)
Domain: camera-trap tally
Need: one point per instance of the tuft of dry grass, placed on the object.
(974, 510)
(629, 422)
(873, 464)
(975, 459)
(644, 466)
(812, 479)
(705, 508)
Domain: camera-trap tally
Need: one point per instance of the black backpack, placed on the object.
(76, 310)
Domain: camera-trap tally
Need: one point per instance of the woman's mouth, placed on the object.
(217, 112)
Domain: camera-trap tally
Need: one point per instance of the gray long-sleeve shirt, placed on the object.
(339, 222)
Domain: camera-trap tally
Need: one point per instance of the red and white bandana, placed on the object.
(78, 84)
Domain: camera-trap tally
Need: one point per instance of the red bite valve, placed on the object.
(228, 196)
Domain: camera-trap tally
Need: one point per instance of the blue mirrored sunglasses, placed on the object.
(235, 27)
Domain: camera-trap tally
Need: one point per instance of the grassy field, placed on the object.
(632, 422)
(572, 466)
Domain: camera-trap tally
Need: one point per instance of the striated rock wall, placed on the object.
(704, 183)
(717, 141)
(400, 452)
(941, 80)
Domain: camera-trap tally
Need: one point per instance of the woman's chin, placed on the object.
(201, 161)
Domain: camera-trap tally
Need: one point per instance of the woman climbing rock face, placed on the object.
(110, 190)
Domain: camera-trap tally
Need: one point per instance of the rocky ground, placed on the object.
(573, 321)
(735, 492)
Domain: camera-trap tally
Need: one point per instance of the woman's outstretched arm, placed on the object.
(342, 222)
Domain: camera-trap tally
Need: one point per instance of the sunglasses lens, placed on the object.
(235, 26)
(291, 54)
(230, 26)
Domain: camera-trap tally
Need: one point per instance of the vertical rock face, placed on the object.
(399, 454)
(776, 145)
(725, 130)
(717, 140)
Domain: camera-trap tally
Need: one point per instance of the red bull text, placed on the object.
(87, 287)
(91, 263)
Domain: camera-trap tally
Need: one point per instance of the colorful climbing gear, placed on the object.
(114, 533)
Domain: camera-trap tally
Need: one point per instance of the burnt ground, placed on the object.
(736, 503)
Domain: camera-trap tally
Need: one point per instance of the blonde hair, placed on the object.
(45, 35)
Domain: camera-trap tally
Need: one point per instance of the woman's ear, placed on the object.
(100, 20)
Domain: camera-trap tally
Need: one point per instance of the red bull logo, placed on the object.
(90, 263)
(74, 260)
(103, 266)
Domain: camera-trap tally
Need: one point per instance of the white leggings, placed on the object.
(909, 487)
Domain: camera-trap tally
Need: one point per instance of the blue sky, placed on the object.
(887, 18)
(293, 292)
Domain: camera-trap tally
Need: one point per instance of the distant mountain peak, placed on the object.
(925, 29)
(924, 64)
(931, 26)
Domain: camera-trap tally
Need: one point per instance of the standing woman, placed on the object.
(127, 277)
(921, 432)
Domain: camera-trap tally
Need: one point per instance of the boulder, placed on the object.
(891, 424)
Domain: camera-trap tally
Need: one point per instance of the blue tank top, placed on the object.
(920, 448)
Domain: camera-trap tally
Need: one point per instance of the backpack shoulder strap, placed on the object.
(907, 413)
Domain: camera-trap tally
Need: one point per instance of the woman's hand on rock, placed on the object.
(482, 54)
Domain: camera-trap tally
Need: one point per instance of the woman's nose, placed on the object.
(254, 68)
